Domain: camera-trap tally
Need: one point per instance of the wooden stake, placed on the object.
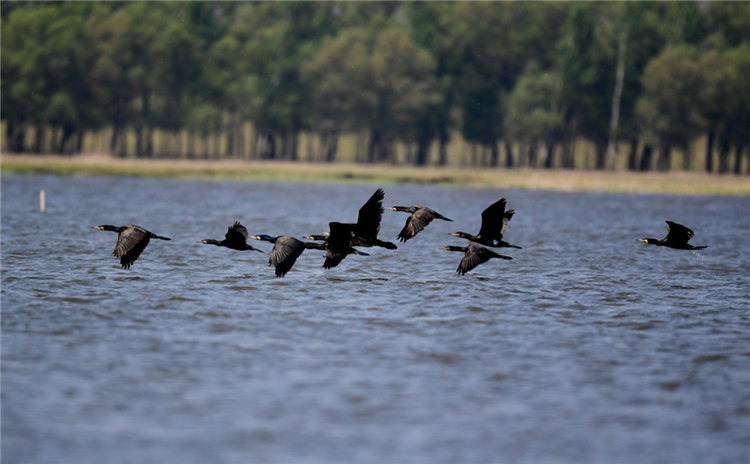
(41, 201)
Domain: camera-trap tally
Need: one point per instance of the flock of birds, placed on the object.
(343, 237)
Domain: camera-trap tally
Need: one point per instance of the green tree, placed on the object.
(147, 59)
(381, 81)
(46, 64)
(668, 111)
(531, 113)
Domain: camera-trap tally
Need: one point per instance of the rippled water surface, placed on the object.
(587, 347)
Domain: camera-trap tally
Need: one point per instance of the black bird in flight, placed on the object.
(338, 243)
(285, 251)
(131, 241)
(236, 239)
(494, 224)
(677, 237)
(474, 255)
(365, 231)
(419, 219)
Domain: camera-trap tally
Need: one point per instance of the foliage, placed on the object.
(519, 73)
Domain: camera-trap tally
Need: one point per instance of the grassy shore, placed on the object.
(686, 183)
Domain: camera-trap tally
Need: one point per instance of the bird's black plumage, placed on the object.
(365, 231)
(235, 238)
(420, 218)
(131, 241)
(677, 237)
(285, 251)
(494, 224)
(338, 243)
(474, 255)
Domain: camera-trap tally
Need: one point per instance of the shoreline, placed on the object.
(678, 183)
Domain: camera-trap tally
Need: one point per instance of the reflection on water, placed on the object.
(587, 347)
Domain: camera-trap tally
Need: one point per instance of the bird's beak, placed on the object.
(98, 228)
(453, 234)
(642, 240)
(256, 237)
(392, 208)
(445, 248)
(201, 241)
(307, 237)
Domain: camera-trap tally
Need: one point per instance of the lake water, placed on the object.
(587, 347)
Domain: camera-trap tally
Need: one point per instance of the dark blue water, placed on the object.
(587, 347)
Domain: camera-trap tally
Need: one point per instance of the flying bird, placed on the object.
(236, 239)
(131, 241)
(420, 217)
(494, 224)
(365, 231)
(285, 251)
(474, 255)
(677, 237)
(338, 243)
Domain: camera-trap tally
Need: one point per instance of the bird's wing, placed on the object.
(677, 233)
(284, 248)
(341, 236)
(333, 260)
(236, 234)
(129, 239)
(476, 255)
(493, 221)
(506, 218)
(285, 252)
(421, 219)
(130, 244)
(370, 215)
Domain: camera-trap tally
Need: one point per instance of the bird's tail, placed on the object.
(160, 237)
(700, 247)
(387, 245)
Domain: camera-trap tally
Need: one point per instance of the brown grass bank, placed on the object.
(686, 183)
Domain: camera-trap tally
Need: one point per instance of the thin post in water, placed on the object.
(41, 201)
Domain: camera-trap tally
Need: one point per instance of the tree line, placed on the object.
(522, 82)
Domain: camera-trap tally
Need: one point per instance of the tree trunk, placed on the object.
(333, 146)
(112, 140)
(550, 155)
(738, 157)
(443, 152)
(17, 137)
(646, 156)
(149, 141)
(568, 153)
(710, 150)
(423, 147)
(293, 149)
(67, 131)
(687, 159)
(724, 149)
(79, 140)
(190, 149)
(39, 139)
(665, 160)
(508, 154)
(601, 154)
(615, 118)
(632, 156)
(373, 146)
(494, 155)
(139, 141)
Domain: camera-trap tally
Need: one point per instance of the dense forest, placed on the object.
(641, 85)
